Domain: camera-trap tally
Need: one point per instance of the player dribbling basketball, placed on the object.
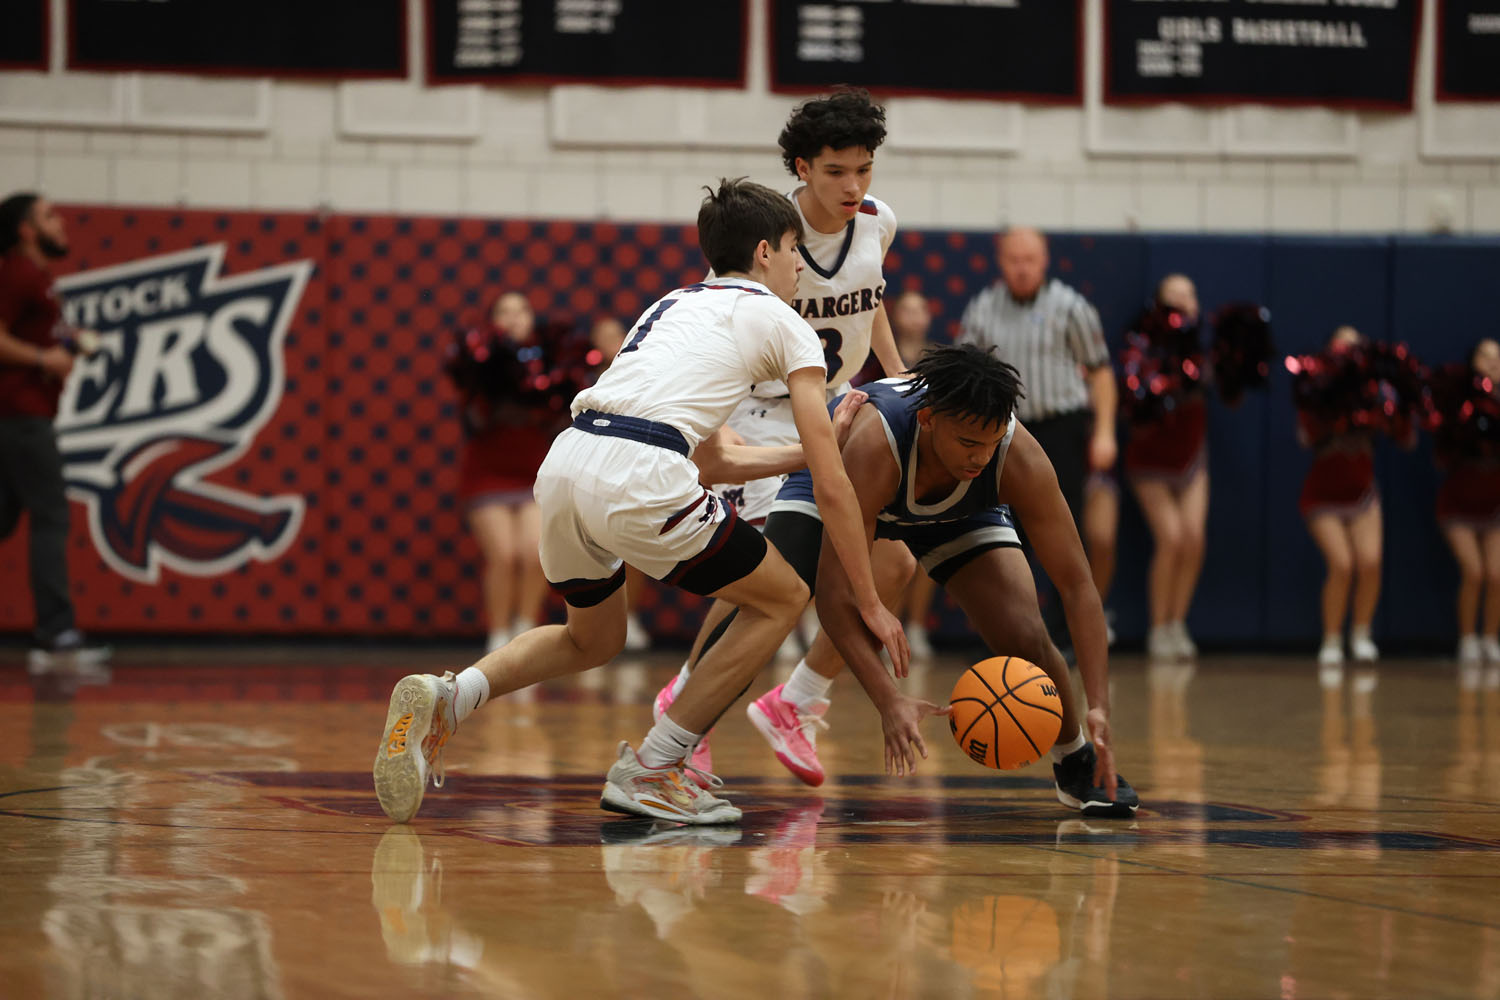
(939, 462)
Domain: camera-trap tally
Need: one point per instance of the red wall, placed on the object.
(364, 431)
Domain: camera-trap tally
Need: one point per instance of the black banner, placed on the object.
(345, 38)
(1356, 53)
(1024, 49)
(1468, 50)
(678, 42)
(23, 40)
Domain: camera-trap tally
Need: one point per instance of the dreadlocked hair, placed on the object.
(966, 380)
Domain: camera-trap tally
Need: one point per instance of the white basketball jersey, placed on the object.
(841, 287)
(695, 353)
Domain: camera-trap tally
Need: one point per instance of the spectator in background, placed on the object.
(34, 362)
(1342, 508)
(506, 436)
(1468, 503)
(1166, 463)
(606, 337)
(910, 316)
(1052, 335)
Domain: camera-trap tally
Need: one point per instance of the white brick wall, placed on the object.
(533, 154)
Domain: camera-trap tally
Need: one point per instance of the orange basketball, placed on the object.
(1006, 712)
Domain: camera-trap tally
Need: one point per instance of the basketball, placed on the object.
(1006, 712)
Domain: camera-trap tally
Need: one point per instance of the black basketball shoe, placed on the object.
(1076, 788)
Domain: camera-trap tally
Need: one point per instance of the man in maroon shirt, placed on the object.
(33, 365)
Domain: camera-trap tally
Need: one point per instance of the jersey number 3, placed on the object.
(832, 341)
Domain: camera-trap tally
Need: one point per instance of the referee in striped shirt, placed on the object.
(1052, 335)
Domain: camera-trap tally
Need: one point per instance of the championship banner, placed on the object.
(26, 38)
(664, 42)
(1029, 50)
(1355, 54)
(287, 38)
(1468, 50)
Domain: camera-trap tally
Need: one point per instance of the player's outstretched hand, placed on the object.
(1104, 768)
(843, 414)
(901, 720)
(887, 629)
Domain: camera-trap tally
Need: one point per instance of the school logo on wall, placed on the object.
(189, 369)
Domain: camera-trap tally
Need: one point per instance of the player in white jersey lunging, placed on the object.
(621, 484)
(829, 145)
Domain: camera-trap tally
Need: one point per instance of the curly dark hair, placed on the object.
(848, 117)
(966, 380)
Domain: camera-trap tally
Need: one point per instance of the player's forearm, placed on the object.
(842, 521)
(883, 342)
(840, 619)
(1104, 398)
(1085, 617)
(739, 463)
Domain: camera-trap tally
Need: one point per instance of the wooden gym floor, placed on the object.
(191, 825)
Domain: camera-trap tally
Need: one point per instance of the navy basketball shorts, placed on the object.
(942, 547)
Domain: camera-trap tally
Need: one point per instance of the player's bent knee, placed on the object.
(785, 601)
(1033, 643)
(896, 567)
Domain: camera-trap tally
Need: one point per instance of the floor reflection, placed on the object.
(779, 920)
(202, 831)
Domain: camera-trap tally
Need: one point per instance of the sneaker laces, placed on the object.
(713, 780)
(806, 721)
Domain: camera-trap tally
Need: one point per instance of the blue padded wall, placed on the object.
(1263, 575)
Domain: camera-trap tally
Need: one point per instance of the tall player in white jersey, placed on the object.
(829, 145)
(621, 485)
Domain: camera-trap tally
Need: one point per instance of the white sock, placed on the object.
(681, 679)
(1333, 639)
(806, 686)
(497, 638)
(1061, 750)
(473, 691)
(1359, 632)
(667, 744)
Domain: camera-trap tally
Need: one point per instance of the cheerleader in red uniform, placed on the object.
(507, 431)
(1342, 508)
(1468, 503)
(1101, 529)
(1166, 459)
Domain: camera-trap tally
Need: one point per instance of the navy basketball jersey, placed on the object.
(898, 412)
